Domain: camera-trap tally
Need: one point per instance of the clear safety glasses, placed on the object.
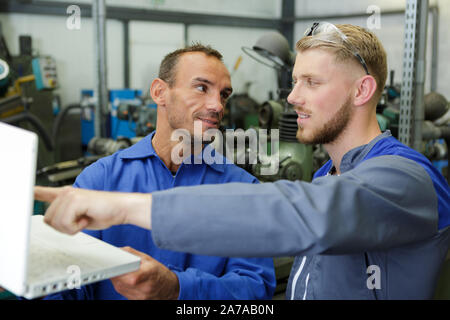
(328, 32)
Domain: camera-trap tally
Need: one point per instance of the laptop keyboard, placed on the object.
(47, 262)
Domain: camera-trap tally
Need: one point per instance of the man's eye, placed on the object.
(311, 83)
(201, 88)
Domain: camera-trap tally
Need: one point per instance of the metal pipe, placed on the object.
(126, 53)
(287, 24)
(99, 17)
(419, 111)
(346, 15)
(435, 50)
(139, 14)
(186, 34)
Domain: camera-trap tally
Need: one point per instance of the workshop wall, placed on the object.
(147, 50)
(148, 47)
(229, 41)
(391, 32)
(72, 49)
(247, 8)
(148, 43)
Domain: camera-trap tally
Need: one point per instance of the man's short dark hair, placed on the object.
(168, 65)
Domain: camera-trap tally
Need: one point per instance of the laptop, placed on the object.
(35, 259)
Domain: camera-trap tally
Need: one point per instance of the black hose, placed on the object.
(26, 116)
(59, 120)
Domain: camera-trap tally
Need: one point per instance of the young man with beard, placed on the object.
(373, 223)
(193, 87)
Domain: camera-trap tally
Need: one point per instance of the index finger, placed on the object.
(46, 194)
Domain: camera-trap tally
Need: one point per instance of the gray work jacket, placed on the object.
(377, 231)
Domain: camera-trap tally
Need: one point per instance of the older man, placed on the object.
(193, 87)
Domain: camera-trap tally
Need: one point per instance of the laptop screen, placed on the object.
(18, 154)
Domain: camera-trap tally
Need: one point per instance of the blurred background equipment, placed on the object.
(4, 77)
(241, 111)
(131, 117)
(388, 108)
(272, 50)
(21, 102)
(295, 159)
(436, 131)
(44, 70)
(107, 146)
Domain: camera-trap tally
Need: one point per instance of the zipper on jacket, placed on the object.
(306, 286)
(297, 274)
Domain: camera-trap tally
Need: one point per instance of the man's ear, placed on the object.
(158, 91)
(364, 90)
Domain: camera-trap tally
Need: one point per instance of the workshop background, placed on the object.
(78, 74)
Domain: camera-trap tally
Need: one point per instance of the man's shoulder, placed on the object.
(232, 172)
(226, 169)
(105, 162)
(390, 146)
(108, 168)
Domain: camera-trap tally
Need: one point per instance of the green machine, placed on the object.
(285, 157)
(294, 160)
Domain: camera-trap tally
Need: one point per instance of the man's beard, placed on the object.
(331, 130)
(191, 135)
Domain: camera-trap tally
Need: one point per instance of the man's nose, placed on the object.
(295, 97)
(216, 103)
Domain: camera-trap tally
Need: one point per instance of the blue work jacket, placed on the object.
(139, 169)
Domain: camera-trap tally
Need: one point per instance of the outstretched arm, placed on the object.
(73, 209)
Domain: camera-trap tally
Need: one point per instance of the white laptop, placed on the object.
(35, 259)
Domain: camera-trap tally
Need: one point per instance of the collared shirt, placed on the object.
(139, 169)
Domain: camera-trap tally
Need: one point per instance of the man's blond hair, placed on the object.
(363, 41)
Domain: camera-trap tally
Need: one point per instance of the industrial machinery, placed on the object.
(287, 158)
(435, 126)
(22, 102)
(131, 115)
(436, 131)
(131, 118)
(294, 160)
(241, 111)
(388, 108)
(44, 69)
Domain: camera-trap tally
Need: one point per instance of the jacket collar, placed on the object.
(144, 149)
(354, 156)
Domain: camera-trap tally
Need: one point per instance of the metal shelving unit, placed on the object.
(413, 80)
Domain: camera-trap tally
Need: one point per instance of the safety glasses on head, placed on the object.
(328, 32)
